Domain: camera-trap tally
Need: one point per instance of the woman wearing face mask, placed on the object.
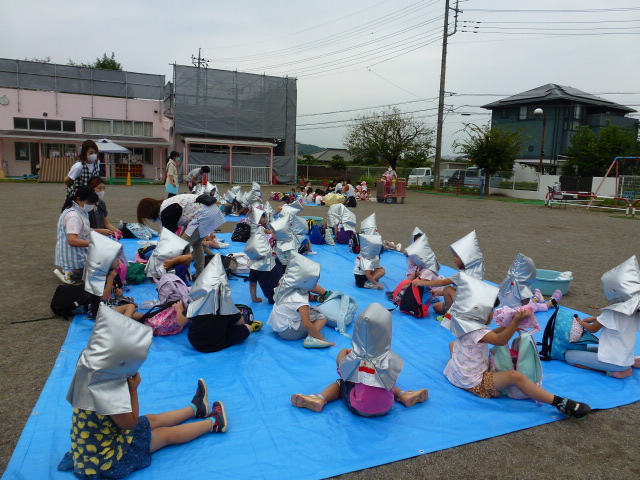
(98, 217)
(84, 169)
(74, 234)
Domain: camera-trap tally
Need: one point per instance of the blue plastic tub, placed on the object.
(548, 282)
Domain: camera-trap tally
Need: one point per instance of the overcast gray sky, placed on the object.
(352, 56)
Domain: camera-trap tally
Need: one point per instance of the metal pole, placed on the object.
(443, 69)
(544, 134)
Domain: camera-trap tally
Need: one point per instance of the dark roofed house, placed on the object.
(566, 108)
(327, 154)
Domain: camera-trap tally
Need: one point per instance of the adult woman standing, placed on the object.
(84, 169)
(171, 184)
(73, 234)
(199, 215)
(98, 217)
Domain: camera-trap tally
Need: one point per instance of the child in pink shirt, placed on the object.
(368, 372)
(468, 319)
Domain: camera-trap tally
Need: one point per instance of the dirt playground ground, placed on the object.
(604, 446)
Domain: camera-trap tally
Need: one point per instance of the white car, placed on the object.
(421, 177)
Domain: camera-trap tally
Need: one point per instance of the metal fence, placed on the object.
(225, 174)
(512, 181)
(629, 187)
(355, 173)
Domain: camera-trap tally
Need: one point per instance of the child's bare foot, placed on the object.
(256, 300)
(410, 397)
(313, 402)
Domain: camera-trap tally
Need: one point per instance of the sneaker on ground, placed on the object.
(64, 277)
(219, 414)
(574, 409)
(256, 325)
(224, 245)
(371, 285)
(557, 296)
(310, 252)
(399, 247)
(538, 294)
(313, 342)
(201, 400)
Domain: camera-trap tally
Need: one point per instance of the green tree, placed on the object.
(591, 153)
(338, 163)
(107, 63)
(494, 149)
(385, 137)
(307, 159)
(415, 159)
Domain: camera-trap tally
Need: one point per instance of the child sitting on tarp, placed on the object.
(368, 270)
(515, 294)
(467, 257)
(368, 371)
(265, 268)
(216, 321)
(618, 325)
(468, 319)
(73, 234)
(422, 263)
(292, 318)
(109, 438)
(101, 277)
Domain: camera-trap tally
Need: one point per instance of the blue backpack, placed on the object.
(557, 334)
(316, 235)
(340, 310)
(523, 357)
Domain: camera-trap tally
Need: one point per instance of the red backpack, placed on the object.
(411, 301)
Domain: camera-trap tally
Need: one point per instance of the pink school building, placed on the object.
(47, 111)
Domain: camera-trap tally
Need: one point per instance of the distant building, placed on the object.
(48, 110)
(566, 108)
(242, 125)
(327, 155)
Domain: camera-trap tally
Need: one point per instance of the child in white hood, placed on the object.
(618, 325)
(368, 270)
(468, 319)
(292, 318)
(368, 371)
(109, 437)
(467, 257)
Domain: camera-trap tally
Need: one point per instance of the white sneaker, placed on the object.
(311, 252)
(64, 278)
(399, 247)
(223, 244)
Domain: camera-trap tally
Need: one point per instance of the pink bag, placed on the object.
(165, 322)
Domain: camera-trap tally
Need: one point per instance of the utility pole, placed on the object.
(200, 62)
(443, 73)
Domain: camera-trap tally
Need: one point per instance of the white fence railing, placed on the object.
(226, 174)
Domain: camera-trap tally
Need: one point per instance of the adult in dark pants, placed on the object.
(216, 322)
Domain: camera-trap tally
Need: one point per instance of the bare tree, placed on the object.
(386, 137)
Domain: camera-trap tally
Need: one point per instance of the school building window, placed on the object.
(25, 151)
(44, 124)
(118, 127)
(142, 155)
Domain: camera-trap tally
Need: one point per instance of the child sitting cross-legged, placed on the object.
(618, 325)
(467, 257)
(109, 437)
(468, 319)
(101, 278)
(368, 372)
(292, 318)
(368, 270)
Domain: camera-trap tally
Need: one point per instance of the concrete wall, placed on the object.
(607, 190)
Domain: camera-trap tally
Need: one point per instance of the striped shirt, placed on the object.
(72, 220)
